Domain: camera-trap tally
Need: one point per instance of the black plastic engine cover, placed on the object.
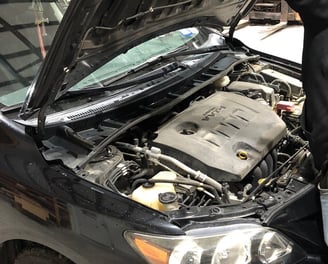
(224, 136)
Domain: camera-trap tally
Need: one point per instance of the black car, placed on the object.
(141, 131)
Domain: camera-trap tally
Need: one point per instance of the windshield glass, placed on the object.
(184, 39)
(27, 29)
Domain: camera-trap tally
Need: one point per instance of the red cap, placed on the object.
(286, 106)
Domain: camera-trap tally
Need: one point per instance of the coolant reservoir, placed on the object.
(159, 196)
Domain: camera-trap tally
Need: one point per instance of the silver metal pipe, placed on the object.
(155, 154)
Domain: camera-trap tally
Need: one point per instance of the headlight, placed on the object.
(234, 244)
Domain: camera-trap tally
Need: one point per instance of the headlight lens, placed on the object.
(234, 244)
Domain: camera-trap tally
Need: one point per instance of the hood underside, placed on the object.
(94, 32)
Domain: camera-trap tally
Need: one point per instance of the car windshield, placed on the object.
(188, 38)
(27, 29)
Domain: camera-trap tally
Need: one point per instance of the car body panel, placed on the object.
(65, 209)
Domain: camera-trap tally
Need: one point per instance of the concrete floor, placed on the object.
(286, 43)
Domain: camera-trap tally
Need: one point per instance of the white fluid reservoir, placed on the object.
(154, 195)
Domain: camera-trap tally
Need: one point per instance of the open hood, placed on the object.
(95, 31)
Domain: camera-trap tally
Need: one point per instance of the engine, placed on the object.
(225, 135)
(215, 150)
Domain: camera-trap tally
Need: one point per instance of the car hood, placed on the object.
(95, 31)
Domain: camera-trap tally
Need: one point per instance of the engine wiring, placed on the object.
(253, 194)
(289, 88)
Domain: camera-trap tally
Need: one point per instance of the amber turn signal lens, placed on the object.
(153, 253)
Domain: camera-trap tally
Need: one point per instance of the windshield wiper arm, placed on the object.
(168, 56)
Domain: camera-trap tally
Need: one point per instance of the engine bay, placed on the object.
(237, 136)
